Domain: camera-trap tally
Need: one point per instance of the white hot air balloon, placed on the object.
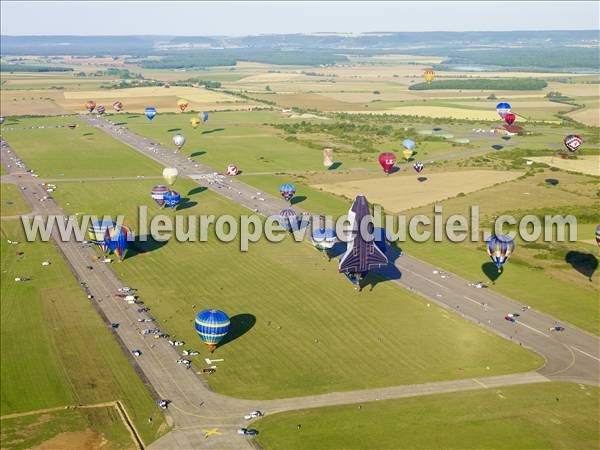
(170, 175)
(232, 170)
(328, 157)
(178, 140)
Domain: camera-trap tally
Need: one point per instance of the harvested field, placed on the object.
(584, 164)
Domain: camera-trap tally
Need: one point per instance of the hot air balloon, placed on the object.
(429, 75)
(323, 238)
(182, 104)
(98, 234)
(170, 175)
(195, 122)
(158, 193)
(287, 217)
(499, 249)
(598, 234)
(101, 110)
(171, 199)
(407, 154)
(118, 240)
(117, 106)
(204, 117)
(212, 325)
(418, 166)
(510, 118)
(408, 144)
(232, 170)
(90, 105)
(150, 112)
(328, 157)
(387, 161)
(381, 239)
(287, 191)
(1, 120)
(572, 142)
(178, 140)
(503, 109)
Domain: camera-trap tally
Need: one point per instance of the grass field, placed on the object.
(55, 348)
(397, 193)
(540, 416)
(82, 152)
(12, 202)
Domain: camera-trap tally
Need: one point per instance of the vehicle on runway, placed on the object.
(136, 352)
(248, 431)
(254, 415)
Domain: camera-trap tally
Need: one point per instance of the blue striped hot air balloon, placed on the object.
(212, 325)
(158, 194)
(287, 217)
(503, 109)
(118, 240)
(150, 112)
(499, 249)
(98, 234)
(171, 199)
(204, 117)
(287, 191)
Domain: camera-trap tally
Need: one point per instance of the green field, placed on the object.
(56, 350)
(82, 152)
(12, 201)
(539, 416)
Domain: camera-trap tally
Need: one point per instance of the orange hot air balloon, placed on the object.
(90, 105)
(429, 75)
(182, 104)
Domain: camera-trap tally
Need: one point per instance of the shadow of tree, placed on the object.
(584, 263)
(491, 271)
(239, 325)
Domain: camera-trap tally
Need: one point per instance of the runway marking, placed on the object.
(533, 329)
(586, 354)
(479, 383)
(478, 303)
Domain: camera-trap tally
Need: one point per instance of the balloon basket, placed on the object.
(211, 347)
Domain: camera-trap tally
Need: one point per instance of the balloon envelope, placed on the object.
(573, 142)
(407, 154)
(429, 75)
(408, 144)
(232, 170)
(328, 157)
(171, 199)
(98, 233)
(158, 193)
(510, 118)
(90, 105)
(150, 112)
(117, 106)
(204, 117)
(118, 240)
(287, 217)
(324, 238)
(195, 122)
(170, 175)
(101, 109)
(1, 120)
(182, 104)
(503, 108)
(387, 161)
(598, 234)
(178, 140)
(212, 325)
(418, 166)
(287, 191)
(499, 249)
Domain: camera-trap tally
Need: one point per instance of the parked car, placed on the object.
(253, 415)
(248, 431)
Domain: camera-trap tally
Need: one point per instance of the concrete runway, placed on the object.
(571, 355)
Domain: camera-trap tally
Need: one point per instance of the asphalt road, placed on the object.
(572, 355)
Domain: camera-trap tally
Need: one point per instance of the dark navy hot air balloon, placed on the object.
(171, 199)
(212, 325)
(573, 142)
(287, 217)
(158, 194)
(418, 166)
(287, 191)
(118, 240)
(150, 112)
(499, 249)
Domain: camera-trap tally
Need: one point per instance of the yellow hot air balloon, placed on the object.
(407, 154)
(195, 121)
(429, 75)
(170, 175)
(182, 104)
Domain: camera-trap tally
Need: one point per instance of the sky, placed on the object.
(248, 18)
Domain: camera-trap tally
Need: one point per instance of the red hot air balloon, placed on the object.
(387, 161)
(510, 118)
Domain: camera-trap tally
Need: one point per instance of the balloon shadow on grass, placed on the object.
(214, 130)
(185, 203)
(584, 263)
(239, 325)
(200, 153)
(143, 244)
(334, 166)
(551, 181)
(497, 147)
(118, 124)
(297, 199)
(506, 138)
(197, 190)
(87, 134)
(170, 130)
(422, 179)
(394, 169)
(491, 271)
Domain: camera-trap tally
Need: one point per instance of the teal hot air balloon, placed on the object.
(212, 325)
(287, 191)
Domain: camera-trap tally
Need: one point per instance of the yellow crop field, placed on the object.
(588, 116)
(438, 111)
(584, 164)
(398, 193)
